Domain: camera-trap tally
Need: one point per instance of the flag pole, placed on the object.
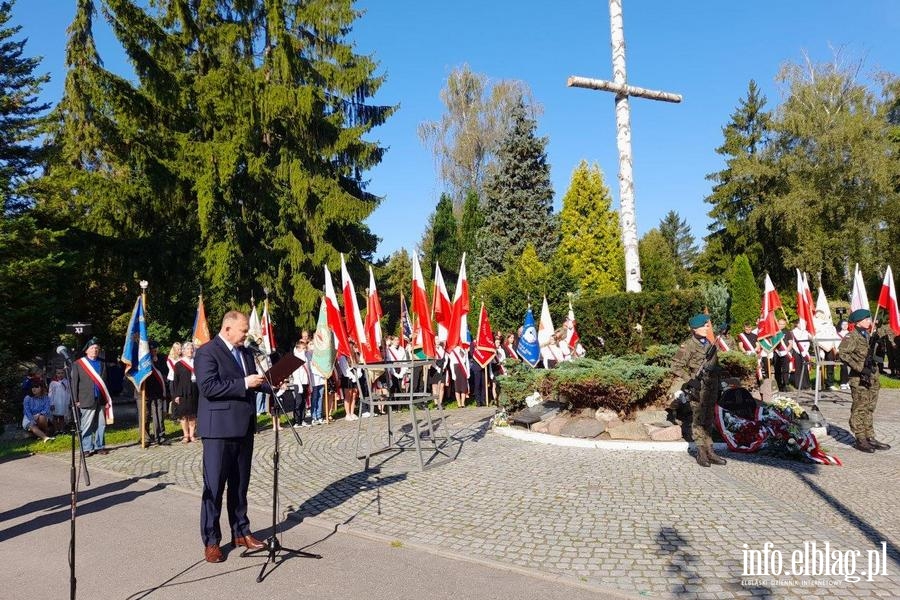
(143, 390)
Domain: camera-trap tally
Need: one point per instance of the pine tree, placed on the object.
(591, 242)
(657, 263)
(520, 198)
(243, 137)
(444, 242)
(20, 113)
(740, 189)
(471, 222)
(677, 234)
(745, 293)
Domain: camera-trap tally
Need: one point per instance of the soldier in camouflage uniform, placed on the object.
(700, 385)
(864, 386)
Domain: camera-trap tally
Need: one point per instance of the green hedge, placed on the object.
(623, 384)
(663, 317)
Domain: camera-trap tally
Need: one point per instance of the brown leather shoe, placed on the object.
(214, 554)
(879, 445)
(862, 445)
(249, 542)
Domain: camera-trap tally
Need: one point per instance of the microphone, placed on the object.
(254, 348)
(64, 352)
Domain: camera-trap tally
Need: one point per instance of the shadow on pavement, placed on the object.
(94, 500)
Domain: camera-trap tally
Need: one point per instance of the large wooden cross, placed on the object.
(623, 139)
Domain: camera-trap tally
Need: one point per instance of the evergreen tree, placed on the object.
(243, 136)
(393, 277)
(657, 263)
(591, 242)
(520, 199)
(471, 223)
(444, 242)
(677, 234)
(745, 293)
(740, 189)
(20, 113)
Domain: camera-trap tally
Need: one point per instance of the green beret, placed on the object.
(698, 321)
(859, 314)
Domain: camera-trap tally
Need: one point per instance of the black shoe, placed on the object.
(878, 445)
(863, 445)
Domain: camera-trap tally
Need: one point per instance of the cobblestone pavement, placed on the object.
(652, 524)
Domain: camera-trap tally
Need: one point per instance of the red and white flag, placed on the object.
(545, 331)
(352, 315)
(420, 308)
(805, 309)
(333, 312)
(858, 296)
(456, 335)
(572, 337)
(771, 301)
(485, 350)
(888, 301)
(372, 349)
(267, 344)
(441, 309)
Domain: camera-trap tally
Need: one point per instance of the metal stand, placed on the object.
(272, 545)
(75, 430)
(409, 399)
(820, 366)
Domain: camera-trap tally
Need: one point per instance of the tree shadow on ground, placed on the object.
(91, 501)
(684, 567)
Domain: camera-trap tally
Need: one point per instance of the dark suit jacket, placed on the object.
(227, 409)
(83, 385)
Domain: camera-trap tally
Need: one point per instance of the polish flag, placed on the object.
(888, 300)
(804, 302)
(441, 309)
(334, 316)
(372, 348)
(572, 337)
(456, 335)
(267, 344)
(545, 331)
(771, 299)
(858, 297)
(420, 308)
(352, 316)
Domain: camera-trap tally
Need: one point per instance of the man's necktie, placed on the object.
(237, 357)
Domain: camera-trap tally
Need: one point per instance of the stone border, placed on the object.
(555, 440)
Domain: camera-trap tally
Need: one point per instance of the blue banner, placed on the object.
(136, 349)
(527, 347)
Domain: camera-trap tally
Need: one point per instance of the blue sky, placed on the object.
(705, 50)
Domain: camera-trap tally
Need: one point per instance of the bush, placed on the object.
(623, 384)
(663, 317)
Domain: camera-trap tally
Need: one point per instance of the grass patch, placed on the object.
(396, 544)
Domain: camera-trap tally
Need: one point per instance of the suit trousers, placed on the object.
(226, 462)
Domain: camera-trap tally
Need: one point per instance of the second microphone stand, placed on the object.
(75, 431)
(272, 545)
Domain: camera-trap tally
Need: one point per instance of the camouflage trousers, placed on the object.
(702, 417)
(862, 411)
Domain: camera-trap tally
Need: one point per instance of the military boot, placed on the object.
(702, 456)
(878, 445)
(862, 444)
(714, 458)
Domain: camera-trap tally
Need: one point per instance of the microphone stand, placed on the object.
(73, 478)
(272, 545)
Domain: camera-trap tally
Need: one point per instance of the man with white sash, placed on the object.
(93, 399)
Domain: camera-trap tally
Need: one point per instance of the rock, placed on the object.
(582, 428)
(586, 413)
(551, 409)
(667, 434)
(539, 427)
(555, 425)
(606, 414)
(651, 416)
(533, 399)
(539, 412)
(629, 431)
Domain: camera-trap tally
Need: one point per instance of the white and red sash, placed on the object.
(98, 381)
(723, 346)
(746, 346)
(159, 378)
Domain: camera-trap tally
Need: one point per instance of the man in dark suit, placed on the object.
(226, 420)
(91, 391)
